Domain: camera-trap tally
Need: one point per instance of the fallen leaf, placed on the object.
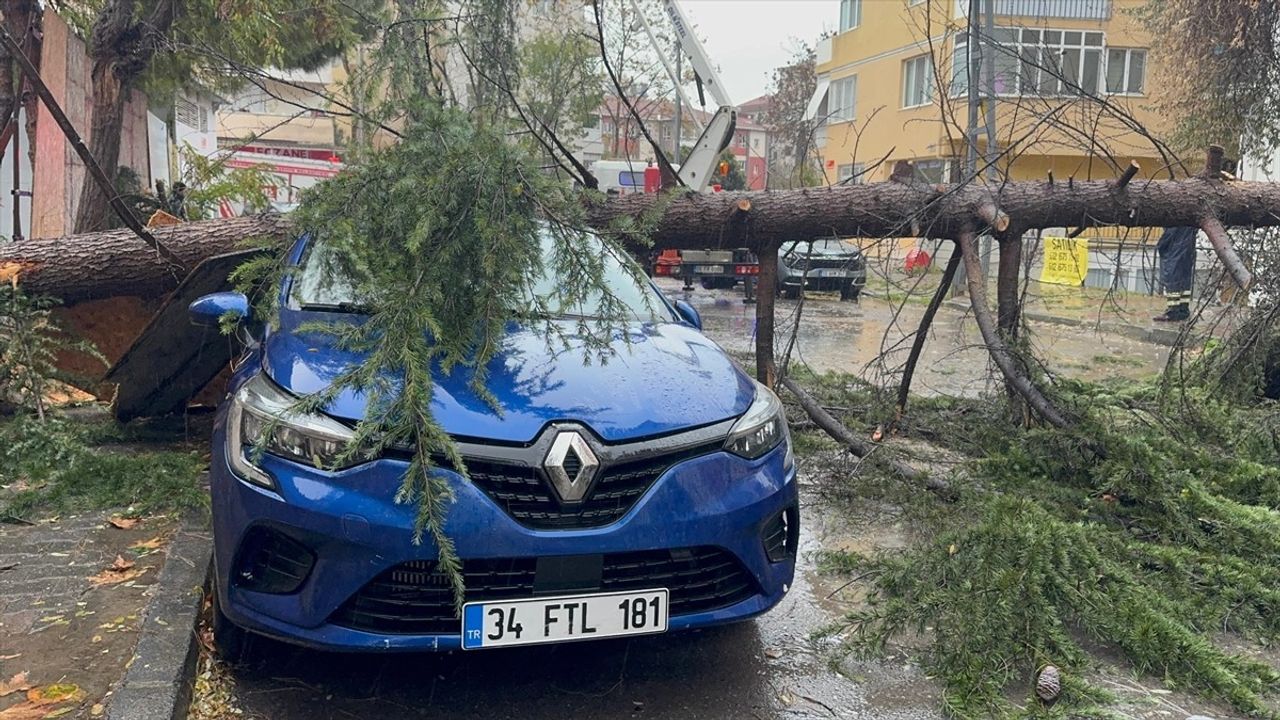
(120, 571)
(54, 694)
(113, 577)
(97, 710)
(152, 544)
(772, 653)
(11, 657)
(60, 712)
(24, 711)
(124, 523)
(17, 683)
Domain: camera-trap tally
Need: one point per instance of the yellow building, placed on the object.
(893, 85)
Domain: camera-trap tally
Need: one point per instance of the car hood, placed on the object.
(662, 378)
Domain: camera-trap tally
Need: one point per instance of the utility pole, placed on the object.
(675, 151)
(971, 129)
(989, 88)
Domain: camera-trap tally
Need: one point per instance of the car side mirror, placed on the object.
(209, 310)
(688, 314)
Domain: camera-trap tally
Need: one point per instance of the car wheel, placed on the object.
(849, 292)
(232, 642)
(791, 292)
(707, 283)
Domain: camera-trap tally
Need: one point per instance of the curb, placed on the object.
(157, 685)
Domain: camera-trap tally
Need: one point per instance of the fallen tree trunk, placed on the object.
(104, 264)
(114, 263)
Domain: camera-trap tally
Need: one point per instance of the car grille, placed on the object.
(527, 497)
(412, 598)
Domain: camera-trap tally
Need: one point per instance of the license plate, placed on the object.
(563, 619)
(827, 273)
(709, 269)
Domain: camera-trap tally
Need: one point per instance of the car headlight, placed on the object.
(761, 428)
(260, 420)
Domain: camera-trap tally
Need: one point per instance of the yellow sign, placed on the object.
(1066, 260)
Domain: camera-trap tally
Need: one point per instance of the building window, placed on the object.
(1126, 71)
(851, 174)
(185, 112)
(917, 81)
(1036, 62)
(841, 100)
(933, 172)
(914, 2)
(850, 14)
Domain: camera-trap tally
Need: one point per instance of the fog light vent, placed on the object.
(782, 535)
(271, 562)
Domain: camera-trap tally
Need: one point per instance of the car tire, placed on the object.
(791, 292)
(707, 283)
(849, 292)
(233, 644)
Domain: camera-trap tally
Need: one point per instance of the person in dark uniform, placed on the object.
(1177, 252)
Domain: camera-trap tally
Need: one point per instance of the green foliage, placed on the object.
(29, 344)
(60, 465)
(442, 239)
(209, 181)
(1147, 530)
(1216, 64)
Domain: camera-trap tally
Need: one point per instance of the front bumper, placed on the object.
(351, 523)
(816, 278)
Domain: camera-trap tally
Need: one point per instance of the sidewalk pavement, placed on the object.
(72, 592)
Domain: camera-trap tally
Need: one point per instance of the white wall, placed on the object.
(6, 183)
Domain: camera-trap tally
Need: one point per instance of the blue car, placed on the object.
(652, 493)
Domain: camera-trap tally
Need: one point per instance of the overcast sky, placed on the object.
(747, 39)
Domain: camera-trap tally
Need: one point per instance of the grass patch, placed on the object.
(1118, 361)
(1147, 531)
(61, 465)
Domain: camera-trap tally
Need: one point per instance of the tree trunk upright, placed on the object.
(121, 49)
(104, 144)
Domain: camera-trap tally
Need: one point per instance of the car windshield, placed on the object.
(825, 246)
(638, 300)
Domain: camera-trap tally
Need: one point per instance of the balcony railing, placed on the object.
(1049, 9)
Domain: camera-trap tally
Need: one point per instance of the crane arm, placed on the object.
(697, 169)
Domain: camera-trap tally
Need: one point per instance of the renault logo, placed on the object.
(570, 464)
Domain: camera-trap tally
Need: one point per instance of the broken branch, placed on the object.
(922, 332)
(995, 344)
(1226, 252)
(856, 445)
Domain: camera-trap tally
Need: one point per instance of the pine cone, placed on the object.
(1049, 684)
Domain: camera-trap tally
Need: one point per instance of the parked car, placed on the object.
(652, 493)
(824, 264)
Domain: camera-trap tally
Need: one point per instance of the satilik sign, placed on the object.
(1066, 261)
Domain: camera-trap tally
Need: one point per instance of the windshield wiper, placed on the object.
(338, 307)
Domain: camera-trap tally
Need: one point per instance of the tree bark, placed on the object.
(766, 295)
(902, 209)
(1008, 309)
(114, 263)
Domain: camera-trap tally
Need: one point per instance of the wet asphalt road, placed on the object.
(767, 669)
